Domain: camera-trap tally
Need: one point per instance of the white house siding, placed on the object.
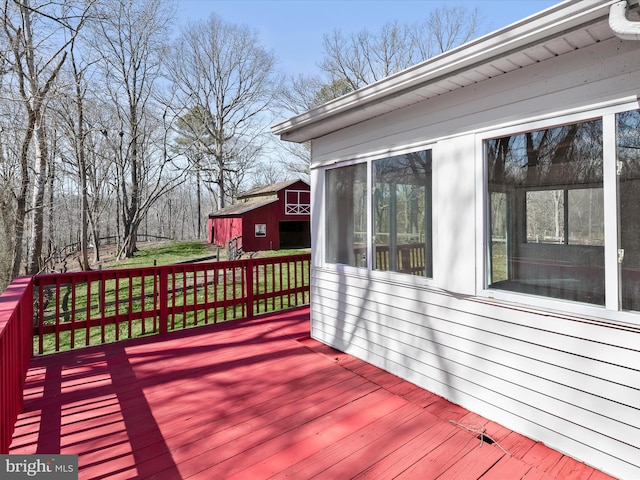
(571, 382)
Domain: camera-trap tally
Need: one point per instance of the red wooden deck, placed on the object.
(258, 399)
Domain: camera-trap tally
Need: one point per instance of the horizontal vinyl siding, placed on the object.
(548, 377)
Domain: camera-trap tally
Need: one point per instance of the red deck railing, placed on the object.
(88, 308)
(50, 313)
(16, 316)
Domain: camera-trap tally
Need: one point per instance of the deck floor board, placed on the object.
(258, 399)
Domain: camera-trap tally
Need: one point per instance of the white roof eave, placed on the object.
(385, 95)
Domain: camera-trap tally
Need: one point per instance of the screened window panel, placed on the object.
(346, 215)
(402, 214)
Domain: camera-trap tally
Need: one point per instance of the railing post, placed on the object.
(249, 294)
(163, 279)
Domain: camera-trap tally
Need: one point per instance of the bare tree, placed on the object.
(131, 39)
(38, 36)
(74, 125)
(297, 95)
(444, 29)
(365, 57)
(269, 172)
(223, 74)
(10, 173)
(193, 142)
(84, 151)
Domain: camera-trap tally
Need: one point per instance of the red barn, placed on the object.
(265, 218)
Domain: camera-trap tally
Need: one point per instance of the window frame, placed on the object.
(612, 308)
(368, 270)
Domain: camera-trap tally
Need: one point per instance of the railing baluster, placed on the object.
(205, 281)
(41, 319)
(102, 295)
(116, 294)
(249, 288)
(234, 279)
(57, 319)
(163, 279)
(131, 309)
(224, 297)
(280, 285)
(88, 319)
(184, 297)
(73, 312)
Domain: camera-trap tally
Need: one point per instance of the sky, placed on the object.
(293, 29)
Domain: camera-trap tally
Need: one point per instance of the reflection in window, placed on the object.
(569, 216)
(546, 212)
(628, 153)
(402, 213)
(545, 216)
(346, 210)
(499, 237)
(585, 216)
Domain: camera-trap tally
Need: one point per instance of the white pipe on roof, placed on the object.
(621, 26)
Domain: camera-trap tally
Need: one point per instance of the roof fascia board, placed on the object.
(547, 24)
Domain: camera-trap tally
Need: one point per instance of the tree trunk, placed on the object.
(39, 186)
(21, 200)
(199, 202)
(51, 211)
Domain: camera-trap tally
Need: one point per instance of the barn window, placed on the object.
(387, 228)
(546, 212)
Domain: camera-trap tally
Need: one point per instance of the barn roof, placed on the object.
(568, 26)
(273, 188)
(242, 207)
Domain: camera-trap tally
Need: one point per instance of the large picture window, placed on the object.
(399, 207)
(546, 212)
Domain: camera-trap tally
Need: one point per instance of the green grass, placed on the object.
(284, 253)
(498, 262)
(166, 254)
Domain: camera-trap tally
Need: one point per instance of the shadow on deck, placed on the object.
(257, 399)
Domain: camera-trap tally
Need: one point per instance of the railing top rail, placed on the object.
(68, 277)
(43, 277)
(12, 295)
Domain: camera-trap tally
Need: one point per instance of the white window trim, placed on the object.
(610, 311)
(368, 272)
